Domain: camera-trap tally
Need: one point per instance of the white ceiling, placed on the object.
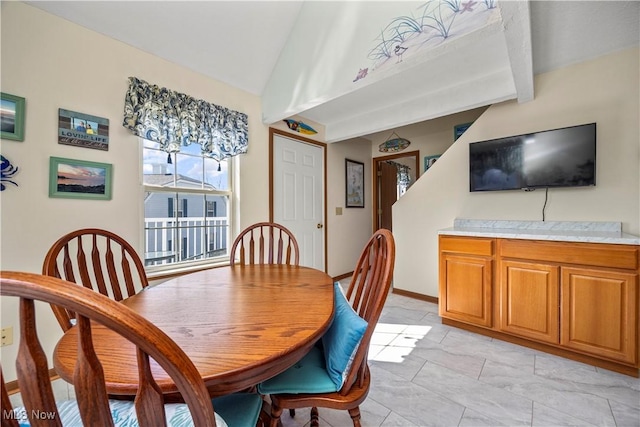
(211, 37)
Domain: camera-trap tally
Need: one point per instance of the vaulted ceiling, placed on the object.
(241, 43)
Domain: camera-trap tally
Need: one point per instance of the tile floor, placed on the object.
(428, 374)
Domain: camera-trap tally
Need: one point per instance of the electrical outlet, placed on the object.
(7, 336)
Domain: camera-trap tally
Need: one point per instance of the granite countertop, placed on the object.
(562, 231)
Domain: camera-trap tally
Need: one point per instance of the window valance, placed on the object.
(174, 119)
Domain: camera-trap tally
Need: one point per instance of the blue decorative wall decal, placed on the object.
(7, 171)
(435, 22)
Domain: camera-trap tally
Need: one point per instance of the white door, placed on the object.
(298, 195)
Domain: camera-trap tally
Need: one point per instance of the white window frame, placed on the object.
(233, 215)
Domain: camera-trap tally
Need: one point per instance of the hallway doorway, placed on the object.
(387, 189)
(297, 182)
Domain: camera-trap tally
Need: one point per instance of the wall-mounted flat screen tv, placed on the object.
(563, 157)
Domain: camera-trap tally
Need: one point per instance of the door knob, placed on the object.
(319, 225)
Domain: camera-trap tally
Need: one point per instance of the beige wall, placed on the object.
(604, 91)
(350, 231)
(44, 60)
(431, 137)
(55, 64)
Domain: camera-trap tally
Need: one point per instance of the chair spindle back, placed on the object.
(265, 243)
(32, 369)
(99, 260)
(367, 293)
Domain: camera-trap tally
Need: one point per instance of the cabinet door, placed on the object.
(529, 300)
(599, 312)
(465, 288)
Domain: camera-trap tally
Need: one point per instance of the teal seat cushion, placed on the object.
(307, 376)
(342, 339)
(123, 413)
(239, 410)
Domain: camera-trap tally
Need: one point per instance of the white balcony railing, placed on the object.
(171, 240)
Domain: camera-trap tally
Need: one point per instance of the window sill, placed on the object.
(168, 272)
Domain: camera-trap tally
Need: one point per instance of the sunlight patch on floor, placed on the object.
(393, 342)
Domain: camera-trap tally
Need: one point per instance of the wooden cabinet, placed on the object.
(466, 276)
(600, 312)
(578, 300)
(529, 300)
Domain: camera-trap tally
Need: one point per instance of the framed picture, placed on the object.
(83, 130)
(12, 117)
(354, 174)
(458, 130)
(429, 161)
(79, 179)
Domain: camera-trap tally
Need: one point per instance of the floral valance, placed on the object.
(174, 119)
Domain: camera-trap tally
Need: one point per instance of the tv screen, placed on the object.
(554, 158)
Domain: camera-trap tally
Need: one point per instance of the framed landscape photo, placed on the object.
(12, 117)
(354, 172)
(79, 179)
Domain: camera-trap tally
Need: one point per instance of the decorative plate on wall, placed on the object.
(393, 145)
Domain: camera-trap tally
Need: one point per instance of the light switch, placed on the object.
(339, 211)
(7, 336)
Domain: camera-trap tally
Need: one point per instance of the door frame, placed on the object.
(374, 179)
(301, 139)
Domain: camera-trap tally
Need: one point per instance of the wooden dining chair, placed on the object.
(97, 259)
(265, 243)
(91, 406)
(337, 375)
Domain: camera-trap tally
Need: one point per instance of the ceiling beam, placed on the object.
(516, 21)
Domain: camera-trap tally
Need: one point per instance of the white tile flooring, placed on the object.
(428, 374)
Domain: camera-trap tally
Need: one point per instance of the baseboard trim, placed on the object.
(13, 388)
(415, 295)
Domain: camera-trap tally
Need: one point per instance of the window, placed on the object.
(187, 215)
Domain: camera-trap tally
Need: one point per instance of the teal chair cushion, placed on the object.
(324, 369)
(239, 410)
(342, 339)
(309, 375)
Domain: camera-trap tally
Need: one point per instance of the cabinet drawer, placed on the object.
(467, 245)
(593, 254)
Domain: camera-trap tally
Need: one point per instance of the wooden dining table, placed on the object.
(239, 325)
